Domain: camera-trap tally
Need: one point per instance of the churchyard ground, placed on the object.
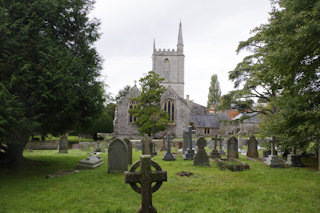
(259, 189)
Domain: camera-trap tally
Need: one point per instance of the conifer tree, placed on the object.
(214, 92)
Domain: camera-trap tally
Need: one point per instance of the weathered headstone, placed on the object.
(63, 144)
(90, 162)
(129, 146)
(154, 152)
(201, 158)
(145, 177)
(168, 156)
(85, 146)
(146, 144)
(221, 151)
(189, 153)
(252, 151)
(185, 142)
(215, 153)
(232, 149)
(273, 160)
(117, 156)
(294, 161)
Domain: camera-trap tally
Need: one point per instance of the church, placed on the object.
(169, 64)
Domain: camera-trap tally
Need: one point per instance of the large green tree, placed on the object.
(214, 94)
(283, 71)
(49, 69)
(150, 117)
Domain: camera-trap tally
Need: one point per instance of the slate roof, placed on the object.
(253, 117)
(205, 121)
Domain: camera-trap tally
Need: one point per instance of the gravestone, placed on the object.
(294, 161)
(215, 153)
(97, 147)
(273, 160)
(63, 144)
(85, 146)
(232, 149)
(129, 146)
(252, 151)
(168, 156)
(154, 152)
(146, 144)
(90, 162)
(145, 177)
(189, 153)
(221, 151)
(117, 156)
(201, 158)
(185, 142)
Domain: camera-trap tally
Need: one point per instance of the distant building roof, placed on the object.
(253, 117)
(205, 121)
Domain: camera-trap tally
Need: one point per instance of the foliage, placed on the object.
(49, 69)
(214, 94)
(254, 190)
(122, 93)
(150, 117)
(283, 73)
(230, 164)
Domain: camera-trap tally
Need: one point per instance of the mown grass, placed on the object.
(260, 189)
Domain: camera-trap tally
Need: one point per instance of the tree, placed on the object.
(49, 70)
(150, 118)
(284, 71)
(122, 93)
(214, 92)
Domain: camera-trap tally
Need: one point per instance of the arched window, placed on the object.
(131, 117)
(169, 107)
(166, 65)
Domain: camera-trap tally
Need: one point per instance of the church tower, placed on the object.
(169, 64)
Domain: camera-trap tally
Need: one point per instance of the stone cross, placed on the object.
(215, 140)
(168, 156)
(145, 177)
(189, 152)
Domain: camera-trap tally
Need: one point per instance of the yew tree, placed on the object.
(48, 70)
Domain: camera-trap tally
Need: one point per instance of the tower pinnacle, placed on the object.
(154, 45)
(180, 40)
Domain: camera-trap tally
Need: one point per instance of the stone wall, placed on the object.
(42, 145)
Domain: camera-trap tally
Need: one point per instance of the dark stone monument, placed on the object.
(215, 153)
(294, 161)
(232, 149)
(63, 144)
(146, 144)
(201, 158)
(252, 151)
(117, 156)
(129, 146)
(91, 162)
(168, 156)
(189, 153)
(145, 177)
(154, 152)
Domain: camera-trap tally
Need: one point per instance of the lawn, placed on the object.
(260, 189)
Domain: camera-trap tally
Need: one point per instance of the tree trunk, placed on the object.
(319, 158)
(13, 152)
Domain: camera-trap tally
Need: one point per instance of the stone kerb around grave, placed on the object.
(117, 156)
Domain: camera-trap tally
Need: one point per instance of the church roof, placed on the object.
(205, 121)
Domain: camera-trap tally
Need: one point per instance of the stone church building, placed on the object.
(169, 64)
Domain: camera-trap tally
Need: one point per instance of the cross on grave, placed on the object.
(145, 177)
(168, 156)
(189, 152)
(215, 140)
(215, 153)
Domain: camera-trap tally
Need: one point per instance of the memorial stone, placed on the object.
(273, 160)
(252, 150)
(117, 156)
(63, 144)
(232, 149)
(168, 156)
(201, 158)
(90, 162)
(215, 153)
(221, 151)
(146, 144)
(145, 177)
(129, 146)
(85, 146)
(294, 161)
(190, 152)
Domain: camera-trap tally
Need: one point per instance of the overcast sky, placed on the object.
(212, 30)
